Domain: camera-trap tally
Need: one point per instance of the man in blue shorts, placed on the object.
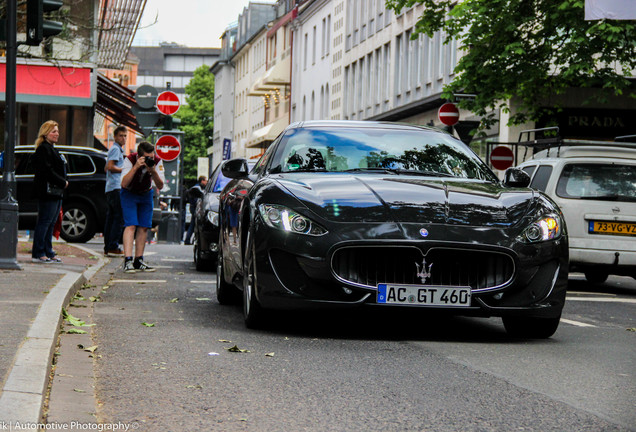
(142, 171)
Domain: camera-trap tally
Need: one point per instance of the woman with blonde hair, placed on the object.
(49, 183)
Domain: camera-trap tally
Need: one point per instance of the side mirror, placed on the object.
(235, 168)
(516, 177)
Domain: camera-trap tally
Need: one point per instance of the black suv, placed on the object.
(84, 203)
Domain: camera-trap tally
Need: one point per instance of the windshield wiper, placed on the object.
(372, 169)
(422, 173)
(401, 171)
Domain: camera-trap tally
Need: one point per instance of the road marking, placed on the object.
(602, 300)
(576, 323)
(138, 281)
(589, 293)
(177, 259)
(204, 282)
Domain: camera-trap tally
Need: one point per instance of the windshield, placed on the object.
(611, 182)
(221, 181)
(391, 151)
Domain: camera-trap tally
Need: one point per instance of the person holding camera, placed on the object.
(141, 172)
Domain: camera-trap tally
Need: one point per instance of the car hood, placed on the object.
(407, 199)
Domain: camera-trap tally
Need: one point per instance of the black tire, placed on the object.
(78, 223)
(252, 310)
(226, 293)
(596, 276)
(200, 263)
(530, 327)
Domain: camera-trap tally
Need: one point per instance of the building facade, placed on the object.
(171, 66)
(358, 60)
(312, 65)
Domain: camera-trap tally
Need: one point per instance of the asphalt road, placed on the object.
(370, 370)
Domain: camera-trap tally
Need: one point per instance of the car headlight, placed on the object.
(277, 216)
(213, 217)
(547, 228)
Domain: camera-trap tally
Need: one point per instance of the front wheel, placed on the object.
(531, 327)
(252, 310)
(596, 276)
(226, 293)
(200, 263)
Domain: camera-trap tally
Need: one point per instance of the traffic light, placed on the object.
(37, 27)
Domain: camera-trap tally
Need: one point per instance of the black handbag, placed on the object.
(54, 191)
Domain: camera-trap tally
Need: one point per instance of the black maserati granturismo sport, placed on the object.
(390, 215)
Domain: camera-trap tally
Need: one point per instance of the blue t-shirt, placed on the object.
(113, 180)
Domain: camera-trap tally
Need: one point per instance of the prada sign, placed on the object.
(593, 123)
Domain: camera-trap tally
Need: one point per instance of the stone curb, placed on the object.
(24, 391)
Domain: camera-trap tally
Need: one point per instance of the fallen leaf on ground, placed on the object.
(203, 299)
(197, 386)
(79, 390)
(631, 329)
(269, 354)
(91, 349)
(174, 300)
(148, 324)
(225, 341)
(235, 348)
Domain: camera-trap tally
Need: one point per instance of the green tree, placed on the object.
(529, 50)
(197, 120)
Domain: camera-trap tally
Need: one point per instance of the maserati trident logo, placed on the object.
(423, 272)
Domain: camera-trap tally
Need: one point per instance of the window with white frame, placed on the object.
(441, 57)
(313, 43)
(417, 60)
(353, 107)
(387, 71)
(324, 36)
(345, 95)
(430, 58)
(399, 62)
(306, 53)
(328, 38)
(369, 87)
(326, 113)
(379, 64)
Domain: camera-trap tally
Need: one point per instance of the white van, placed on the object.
(594, 183)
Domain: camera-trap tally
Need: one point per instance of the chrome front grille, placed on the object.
(371, 265)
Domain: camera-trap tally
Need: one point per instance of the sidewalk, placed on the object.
(31, 300)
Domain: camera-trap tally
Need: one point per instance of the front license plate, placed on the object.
(612, 228)
(421, 295)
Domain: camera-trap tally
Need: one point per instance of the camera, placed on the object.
(150, 162)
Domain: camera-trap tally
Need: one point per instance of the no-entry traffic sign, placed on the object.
(501, 158)
(168, 148)
(448, 114)
(168, 103)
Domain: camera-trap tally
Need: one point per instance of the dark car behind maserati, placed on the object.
(84, 202)
(389, 215)
(206, 222)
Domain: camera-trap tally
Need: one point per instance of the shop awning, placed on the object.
(268, 133)
(118, 23)
(115, 101)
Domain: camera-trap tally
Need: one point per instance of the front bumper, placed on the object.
(297, 272)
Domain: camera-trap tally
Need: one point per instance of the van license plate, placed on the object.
(423, 295)
(612, 228)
